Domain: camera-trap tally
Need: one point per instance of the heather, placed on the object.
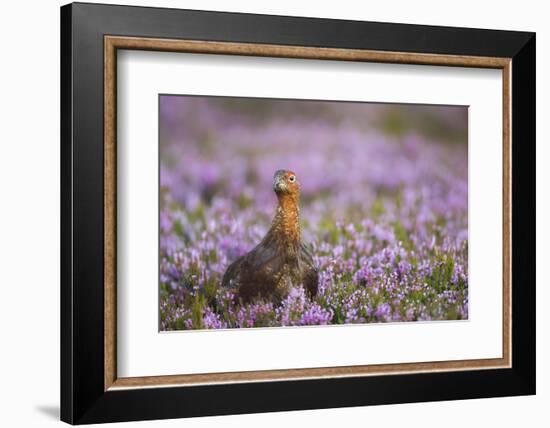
(384, 207)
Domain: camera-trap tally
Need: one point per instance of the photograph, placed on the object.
(291, 212)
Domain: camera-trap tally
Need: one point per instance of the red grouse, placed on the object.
(281, 260)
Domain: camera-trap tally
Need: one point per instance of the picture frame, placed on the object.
(91, 390)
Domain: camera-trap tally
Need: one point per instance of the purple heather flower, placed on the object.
(383, 312)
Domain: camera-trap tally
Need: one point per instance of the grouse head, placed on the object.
(285, 183)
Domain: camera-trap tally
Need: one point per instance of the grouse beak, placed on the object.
(279, 184)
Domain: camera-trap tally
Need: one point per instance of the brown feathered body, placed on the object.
(281, 260)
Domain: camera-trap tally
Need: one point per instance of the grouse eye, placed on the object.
(292, 178)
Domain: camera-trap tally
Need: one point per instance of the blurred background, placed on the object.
(352, 153)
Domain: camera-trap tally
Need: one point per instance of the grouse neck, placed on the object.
(287, 218)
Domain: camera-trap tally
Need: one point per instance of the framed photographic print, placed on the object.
(265, 213)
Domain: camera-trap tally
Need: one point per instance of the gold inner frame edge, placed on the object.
(113, 43)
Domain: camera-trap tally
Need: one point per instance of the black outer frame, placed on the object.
(83, 399)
